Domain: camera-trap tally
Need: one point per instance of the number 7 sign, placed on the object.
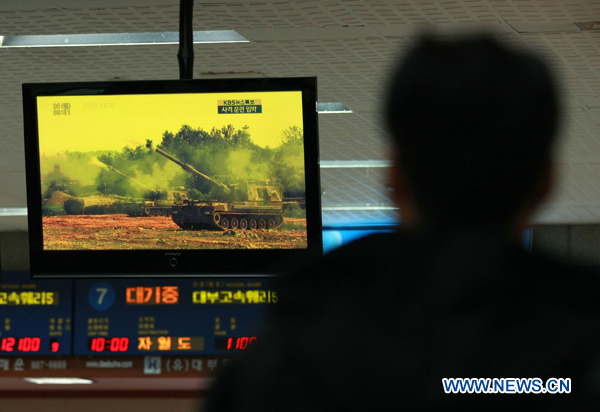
(101, 296)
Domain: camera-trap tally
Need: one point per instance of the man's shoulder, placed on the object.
(559, 284)
(374, 250)
(461, 264)
(368, 257)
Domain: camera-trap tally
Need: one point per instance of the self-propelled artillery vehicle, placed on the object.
(147, 207)
(263, 209)
(159, 207)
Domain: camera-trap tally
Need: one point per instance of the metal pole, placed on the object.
(185, 57)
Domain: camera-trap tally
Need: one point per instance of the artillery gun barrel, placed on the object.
(193, 171)
(129, 177)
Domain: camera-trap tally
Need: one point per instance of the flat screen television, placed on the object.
(171, 178)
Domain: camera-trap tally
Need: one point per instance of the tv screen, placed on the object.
(216, 177)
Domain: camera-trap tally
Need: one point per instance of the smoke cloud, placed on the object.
(225, 154)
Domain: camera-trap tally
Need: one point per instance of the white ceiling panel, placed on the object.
(539, 11)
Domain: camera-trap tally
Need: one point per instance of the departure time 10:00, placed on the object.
(110, 344)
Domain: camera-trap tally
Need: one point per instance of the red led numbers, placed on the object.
(22, 344)
(111, 345)
(98, 344)
(29, 345)
(8, 345)
(240, 343)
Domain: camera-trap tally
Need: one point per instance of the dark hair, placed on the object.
(474, 123)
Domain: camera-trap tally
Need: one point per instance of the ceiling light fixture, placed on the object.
(59, 381)
(352, 164)
(118, 39)
(13, 211)
(331, 108)
(330, 208)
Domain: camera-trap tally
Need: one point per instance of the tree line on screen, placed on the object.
(225, 154)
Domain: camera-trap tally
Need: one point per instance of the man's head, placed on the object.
(474, 123)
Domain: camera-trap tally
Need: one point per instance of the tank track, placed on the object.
(248, 221)
(233, 221)
(158, 211)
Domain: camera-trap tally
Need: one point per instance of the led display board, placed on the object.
(183, 316)
(35, 316)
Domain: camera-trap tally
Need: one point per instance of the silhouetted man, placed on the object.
(379, 323)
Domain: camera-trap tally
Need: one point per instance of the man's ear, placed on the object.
(542, 192)
(401, 194)
(395, 181)
(546, 184)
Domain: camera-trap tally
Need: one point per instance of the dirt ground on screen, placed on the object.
(116, 232)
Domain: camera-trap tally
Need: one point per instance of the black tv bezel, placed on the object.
(157, 263)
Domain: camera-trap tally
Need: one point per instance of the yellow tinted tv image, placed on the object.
(172, 171)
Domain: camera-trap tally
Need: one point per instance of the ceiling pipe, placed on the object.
(185, 57)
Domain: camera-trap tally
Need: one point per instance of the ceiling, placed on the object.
(349, 45)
